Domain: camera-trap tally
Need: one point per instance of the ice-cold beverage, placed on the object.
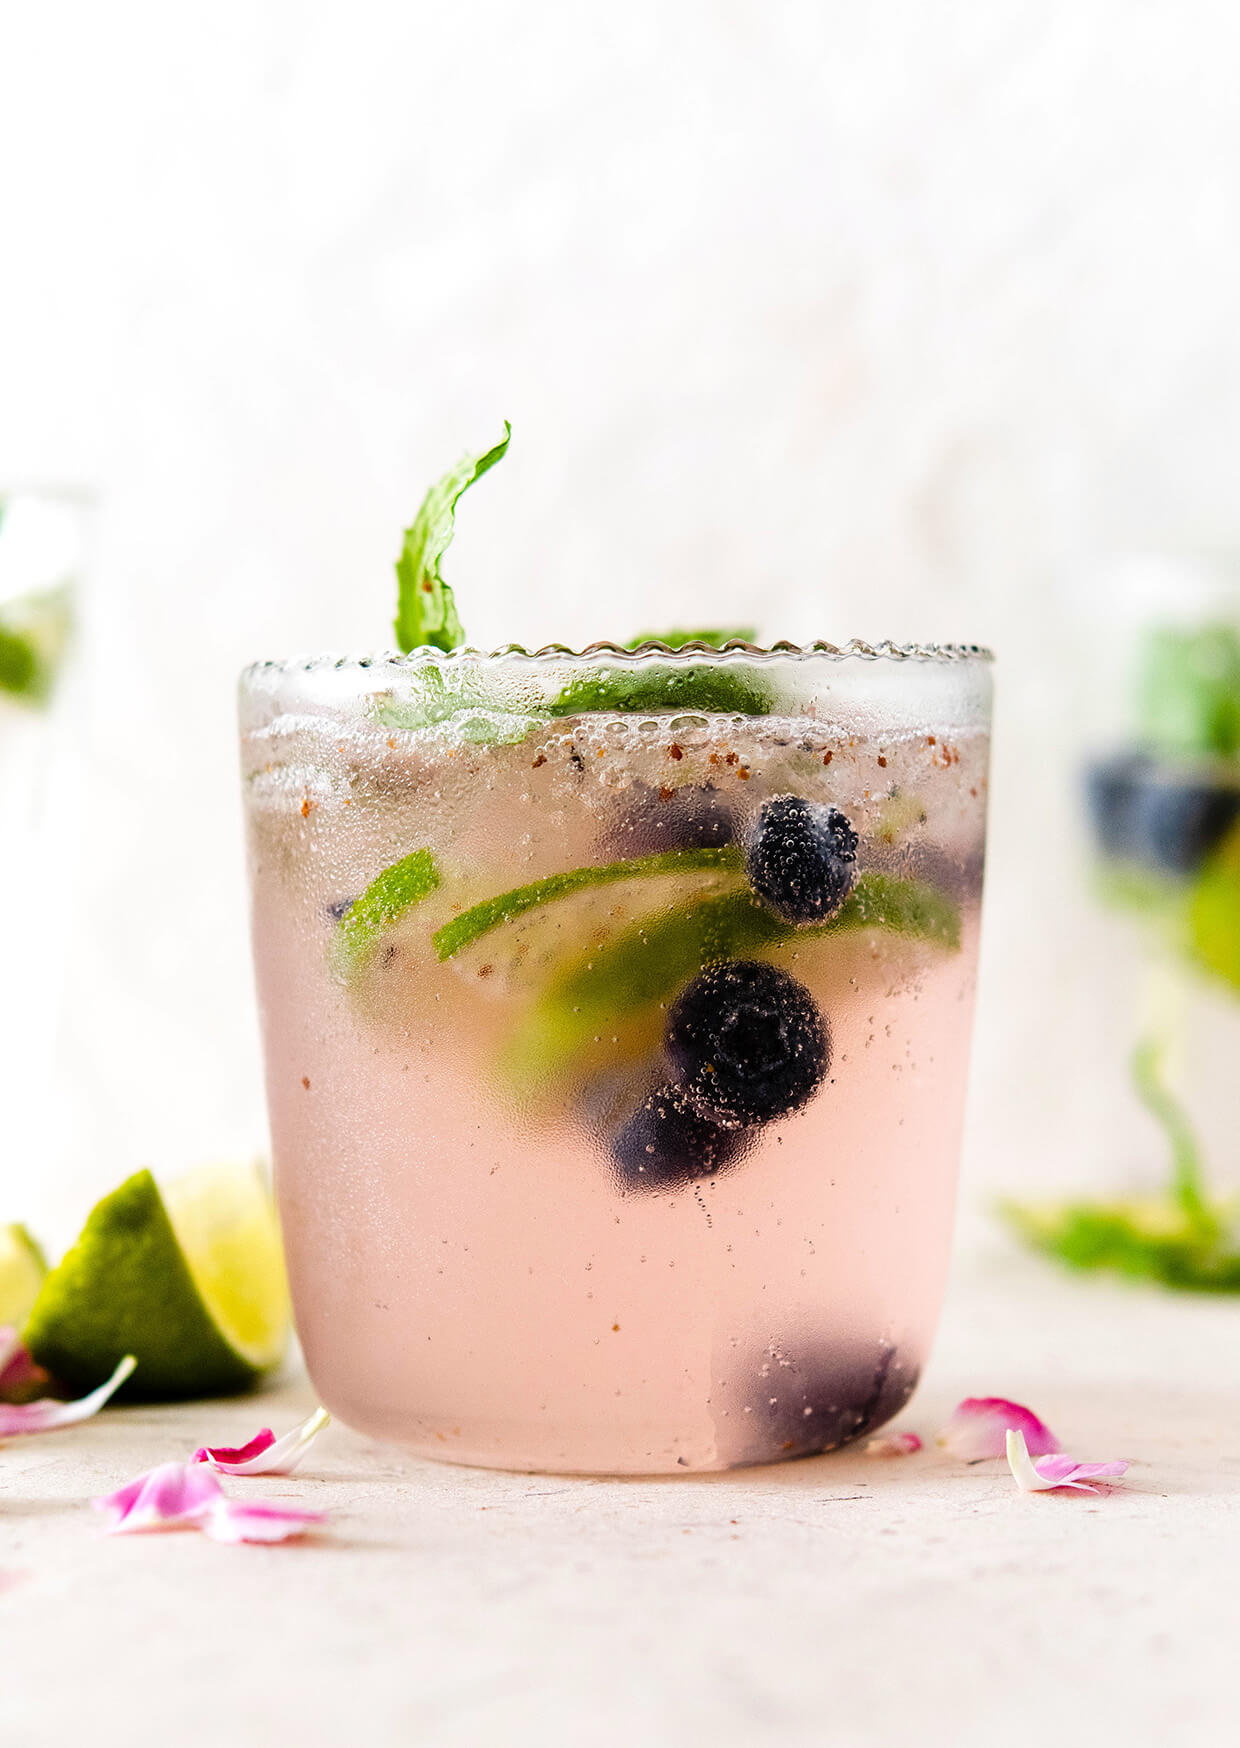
(616, 1014)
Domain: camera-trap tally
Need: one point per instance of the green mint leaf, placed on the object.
(384, 902)
(647, 963)
(1188, 692)
(425, 610)
(678, 639)
(1144, 1239)
(1214, 914)
(478, 921)
(20, 669)
(34, 633)
(712, 687)
(433, 696)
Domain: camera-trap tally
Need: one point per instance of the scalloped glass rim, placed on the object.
(855, 648)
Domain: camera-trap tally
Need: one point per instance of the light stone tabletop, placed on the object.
(841, 1600)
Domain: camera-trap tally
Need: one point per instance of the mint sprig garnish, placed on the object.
(481, 918)
(714, 687)
(426, 612)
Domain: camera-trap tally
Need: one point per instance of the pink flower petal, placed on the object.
(46, 1415)
(228, 1456)
(265, 1454)
(190, 1496)
(894, 1444)
(1066, 1471)
(1055, 1471)
(979, 1428)
(174, 1494)
(243, 1520)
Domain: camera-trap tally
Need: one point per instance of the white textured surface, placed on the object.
(843, 1600)
(889, 320)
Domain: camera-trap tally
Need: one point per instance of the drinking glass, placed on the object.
(616, 1010)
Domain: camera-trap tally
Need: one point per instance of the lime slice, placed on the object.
(22, 1268)
(191, 1282)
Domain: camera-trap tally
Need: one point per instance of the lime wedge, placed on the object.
(191, 1282)
(22, 1268)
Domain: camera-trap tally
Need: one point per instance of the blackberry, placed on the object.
(802, 859)
(747, 1043)
(666, 1143)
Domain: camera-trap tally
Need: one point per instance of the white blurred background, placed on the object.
(891, 320)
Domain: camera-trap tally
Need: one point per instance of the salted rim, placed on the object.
(855, 647)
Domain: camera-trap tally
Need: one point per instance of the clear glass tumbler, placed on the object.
(616, 1010)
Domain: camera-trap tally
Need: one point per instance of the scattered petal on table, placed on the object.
(266, 1454)
(46, 1415)
(259, 1520)
(980, 1425)
(1056, 1470)
(894, 1444)
(190, 1496)
(170, 1496)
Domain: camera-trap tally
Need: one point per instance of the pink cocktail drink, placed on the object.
(616, 1012)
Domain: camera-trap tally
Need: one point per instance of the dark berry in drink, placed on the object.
(667, 1143)
(747, 1043)
(794, 1402)
(802, 858)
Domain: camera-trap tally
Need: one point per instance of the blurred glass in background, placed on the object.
(1161, 795)
(42, 547)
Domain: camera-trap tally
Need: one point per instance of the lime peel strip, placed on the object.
(388, 897)
(479, 920)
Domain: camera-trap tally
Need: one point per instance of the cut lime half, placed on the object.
(190, 1281)
(22, 1268)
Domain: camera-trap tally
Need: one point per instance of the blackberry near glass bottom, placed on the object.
(616, 1019)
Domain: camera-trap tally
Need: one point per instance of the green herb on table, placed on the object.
(1180, 1238)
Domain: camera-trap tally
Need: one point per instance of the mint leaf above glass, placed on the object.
(426, 614)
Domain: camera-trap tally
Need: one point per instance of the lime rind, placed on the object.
(379, 908)
(482, 918)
